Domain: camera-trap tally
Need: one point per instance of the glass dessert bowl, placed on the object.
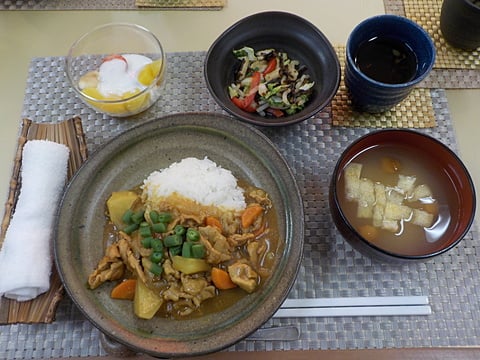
(117, 69)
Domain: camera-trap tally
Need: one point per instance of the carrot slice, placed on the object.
(221, 279)
(124, 290)
(250, 214)
(213, 221)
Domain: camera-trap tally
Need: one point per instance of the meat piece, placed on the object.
(188, 293)
(261, 197)
(240, 239)
(118, 257)
(252, 250)
(187, 220)
(184, 307)
(112, 271)
(110, 267)
(231, 223)
(198, 287)
(130, 260)
(217, 246)
(206, 293)
(193, 285)
(169, 272)
(174, 293)
(244, 276)
(256, 252)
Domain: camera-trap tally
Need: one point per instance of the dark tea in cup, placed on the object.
(387, 60)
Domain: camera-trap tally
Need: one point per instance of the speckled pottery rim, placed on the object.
(123, 163)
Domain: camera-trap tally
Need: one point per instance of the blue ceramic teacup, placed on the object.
(386, 57)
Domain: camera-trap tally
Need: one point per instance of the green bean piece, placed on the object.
(175, 250)
(159, 227)
(198, 251)
(147, 242)
(156, 269)
(156, 245)
(156, 257)
(153, 216)
(193, 235)
(172, 240)
(137, 217)
(145, 231)
(127, 217)
(130, 228)
(165, 217)
(187, 249)
(179, 230)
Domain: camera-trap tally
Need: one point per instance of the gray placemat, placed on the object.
(330, 267)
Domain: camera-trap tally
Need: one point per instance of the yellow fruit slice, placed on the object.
(114, 108)
(137, 104)
(149, 72)
(134, 105)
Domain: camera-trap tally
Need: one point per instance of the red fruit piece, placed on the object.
(113, 57)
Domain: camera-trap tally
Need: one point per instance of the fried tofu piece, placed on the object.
(406, 184)
(394, 196)
(387, 206)
(364, 211)
(390, 225)
(379, 207)
(397, 212)
(367, 199)
(352, 174)
(367, 192)
(422, 218)
(421, 192)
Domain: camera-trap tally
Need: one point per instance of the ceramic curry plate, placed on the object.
(124, 163)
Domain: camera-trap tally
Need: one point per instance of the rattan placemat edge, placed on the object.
(66, 5)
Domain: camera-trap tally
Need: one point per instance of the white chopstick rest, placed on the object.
(26, 254)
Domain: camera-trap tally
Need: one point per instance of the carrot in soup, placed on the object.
(221, 279)
(250, 214)
(213, 221)
(124, 290)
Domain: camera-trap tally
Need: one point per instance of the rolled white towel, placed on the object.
(26, 254)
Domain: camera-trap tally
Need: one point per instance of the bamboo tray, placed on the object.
(68, 132)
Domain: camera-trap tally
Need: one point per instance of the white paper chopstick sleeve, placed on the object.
(26, 254)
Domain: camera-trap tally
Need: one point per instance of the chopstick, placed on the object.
(355, 306)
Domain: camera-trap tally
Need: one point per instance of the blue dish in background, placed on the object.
(370, 95)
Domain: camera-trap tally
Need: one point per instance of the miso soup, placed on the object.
(396, 200)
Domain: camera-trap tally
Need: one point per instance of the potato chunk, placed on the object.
(118, 203)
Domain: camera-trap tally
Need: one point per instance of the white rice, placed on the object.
(195, 179)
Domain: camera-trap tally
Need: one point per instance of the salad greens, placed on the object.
(270, 83)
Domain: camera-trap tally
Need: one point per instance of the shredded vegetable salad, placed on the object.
(270, 83)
